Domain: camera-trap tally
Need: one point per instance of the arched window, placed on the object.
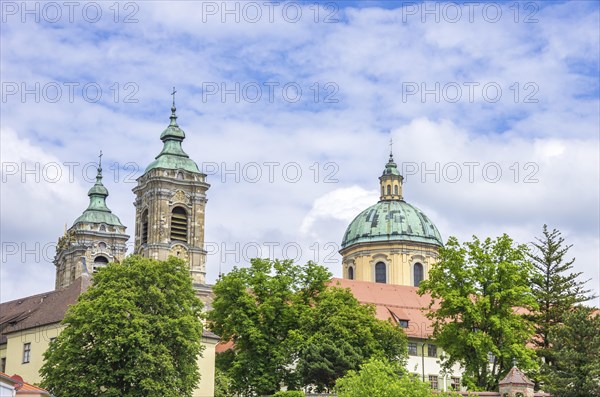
(396, 190)
(389, 189)
(418, 273)
(380, 273)
(179, 224)
(351, 273)
(102, 228)
(99, 261)
(145, 227)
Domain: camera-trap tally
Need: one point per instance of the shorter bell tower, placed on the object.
(96, 238)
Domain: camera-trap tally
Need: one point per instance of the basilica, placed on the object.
(387, 250)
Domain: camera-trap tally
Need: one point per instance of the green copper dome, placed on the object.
(391, 220)
(97, 211)
(172, 155)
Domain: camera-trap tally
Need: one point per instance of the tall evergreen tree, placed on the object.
(556, 289)
(576, 343)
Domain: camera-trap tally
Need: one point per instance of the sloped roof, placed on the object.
(396, 302)
(23, 387)
(515, 377)
(39, 310)
(391, 220)
(45, 309)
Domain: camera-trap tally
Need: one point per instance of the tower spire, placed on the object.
(173, 109)
(391, 181)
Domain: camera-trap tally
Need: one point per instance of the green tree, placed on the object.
(289, 328)
(135, 332)
(576, 345)
(256, 308)
(380, 378)
(338, 334)
(555, 290)
(475, 289)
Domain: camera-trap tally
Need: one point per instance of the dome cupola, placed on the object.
(392, 241)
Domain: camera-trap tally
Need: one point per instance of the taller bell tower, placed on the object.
(169, 205)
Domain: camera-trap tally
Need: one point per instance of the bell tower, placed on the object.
(170, 198)
(96, 238)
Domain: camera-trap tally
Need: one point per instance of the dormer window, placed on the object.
(179, 224)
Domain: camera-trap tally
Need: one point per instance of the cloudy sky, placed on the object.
(289, 107)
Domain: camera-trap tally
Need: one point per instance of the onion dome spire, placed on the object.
(172, 155)
(97, 211)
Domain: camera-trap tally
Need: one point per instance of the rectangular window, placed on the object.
(433, 381)
(412, 348)
(432, 350)
(491, 357)
(26, 352)
(3, 364)
(403, 323)
(455, 383)
(52, 340)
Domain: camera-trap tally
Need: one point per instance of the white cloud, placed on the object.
(370, 56)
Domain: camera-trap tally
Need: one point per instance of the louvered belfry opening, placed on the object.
(179, 224)
(145, 227)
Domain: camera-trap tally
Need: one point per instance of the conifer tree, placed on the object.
(555, 287)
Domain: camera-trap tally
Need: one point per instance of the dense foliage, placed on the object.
(338, 333)
(289, 328)
(380, 378)
(576, 345)
(477, 287)
(135, 332)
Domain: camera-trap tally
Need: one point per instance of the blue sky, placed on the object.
(501, 87)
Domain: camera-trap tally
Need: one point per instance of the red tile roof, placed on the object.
(38, 310)
(396, 302)
(515, 377)
(21, 386)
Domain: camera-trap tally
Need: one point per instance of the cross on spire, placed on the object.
(100, 159)
(173, 93)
